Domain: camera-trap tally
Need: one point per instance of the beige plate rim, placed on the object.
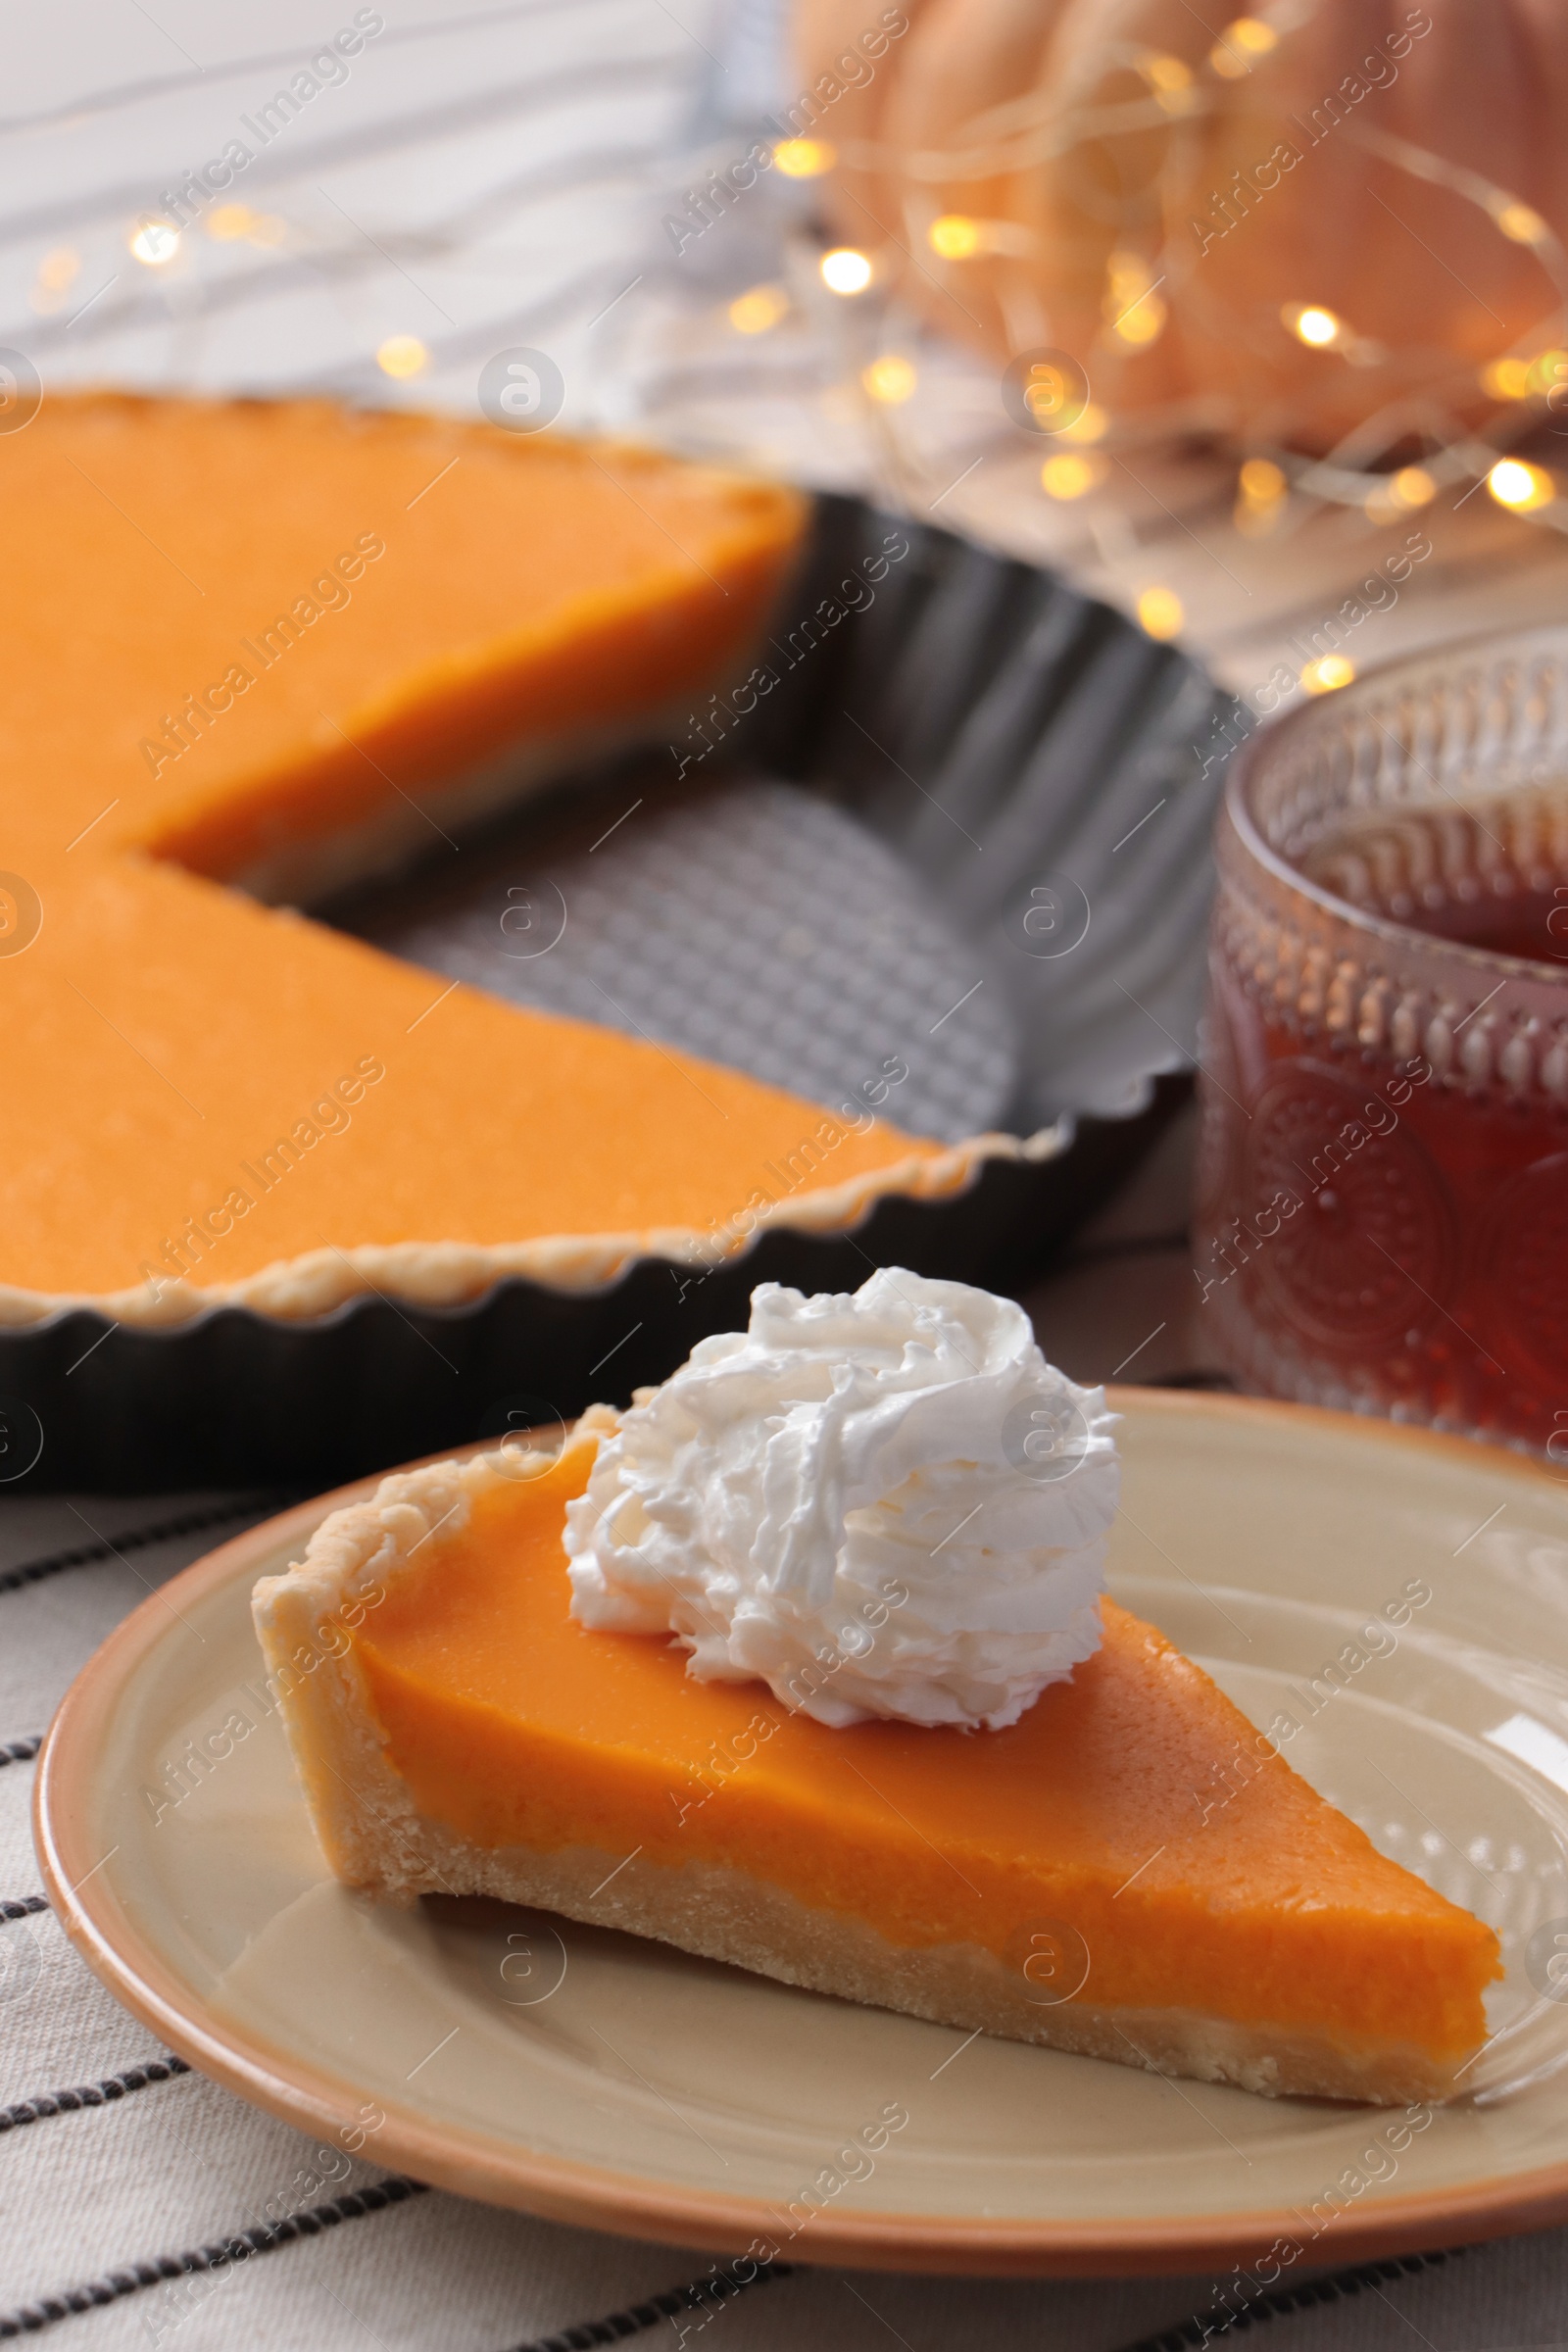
(474, 2165)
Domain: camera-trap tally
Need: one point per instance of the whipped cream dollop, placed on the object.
(879, 1505)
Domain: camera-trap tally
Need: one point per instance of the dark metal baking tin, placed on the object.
(237, 1397)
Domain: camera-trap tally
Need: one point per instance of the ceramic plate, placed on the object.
(598, 2078)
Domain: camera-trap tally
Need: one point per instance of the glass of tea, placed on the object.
(1381, 1220)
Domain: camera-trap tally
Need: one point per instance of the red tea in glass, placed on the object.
(1383, 1211)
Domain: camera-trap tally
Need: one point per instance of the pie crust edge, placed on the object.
(453, 1273)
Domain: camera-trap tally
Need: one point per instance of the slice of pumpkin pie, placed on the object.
(901, 1748)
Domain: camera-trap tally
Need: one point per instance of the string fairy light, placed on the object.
(58, 272)
(961, 237)
(316, 257)
(1506, 379)
(229, 223)
(1262, 493)
(1133, 90)
(1160, 613)
(805, 159)
(1523, 487)
(1171, 81)
(1145, 90)
(1134, 312)
(757, 309)
(845, 269)
(1071, 475)
(1522, 224)
(890, 380)
(953, 237)
(402, 356)
(1412, 486)
(1312, 323)
(1091, 424)
(1261, 482)
(154, 243)
(1401, 493)
(1241, 45)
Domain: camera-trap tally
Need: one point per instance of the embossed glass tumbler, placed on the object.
(1382, 1219)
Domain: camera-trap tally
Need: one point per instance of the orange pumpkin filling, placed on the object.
(236, 633)
(513, 1724)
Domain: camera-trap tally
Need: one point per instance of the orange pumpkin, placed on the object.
(1328, 217)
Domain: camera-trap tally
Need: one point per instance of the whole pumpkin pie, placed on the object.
(1057, 1879)
(256, 650)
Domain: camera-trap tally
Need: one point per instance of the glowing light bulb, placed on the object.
(402, 356)
(1399, 493)
(1312, 325)
(1092, 426)
(1549, 371)
(1261, 482)
(890, 379)
(805, 159)
(1160, 613)
(955, 237)
(1522, 224)
(757, 309)
(154, 243)
(1071, 476)
(1127, 275)
(57, 273)
(1506, 379)
(1143, 323)
(1520, 486)
(1134, 312)
(1328, 676)
(846, 271)
(228, 223)
(1171, 83)
(1251, 36)
(1241, 45)
(1412, 486)
(1262, 496)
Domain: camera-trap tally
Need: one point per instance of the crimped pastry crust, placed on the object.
(451, 1273)
(374, 1837)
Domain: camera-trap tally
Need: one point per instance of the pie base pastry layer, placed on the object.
(456, 1731)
